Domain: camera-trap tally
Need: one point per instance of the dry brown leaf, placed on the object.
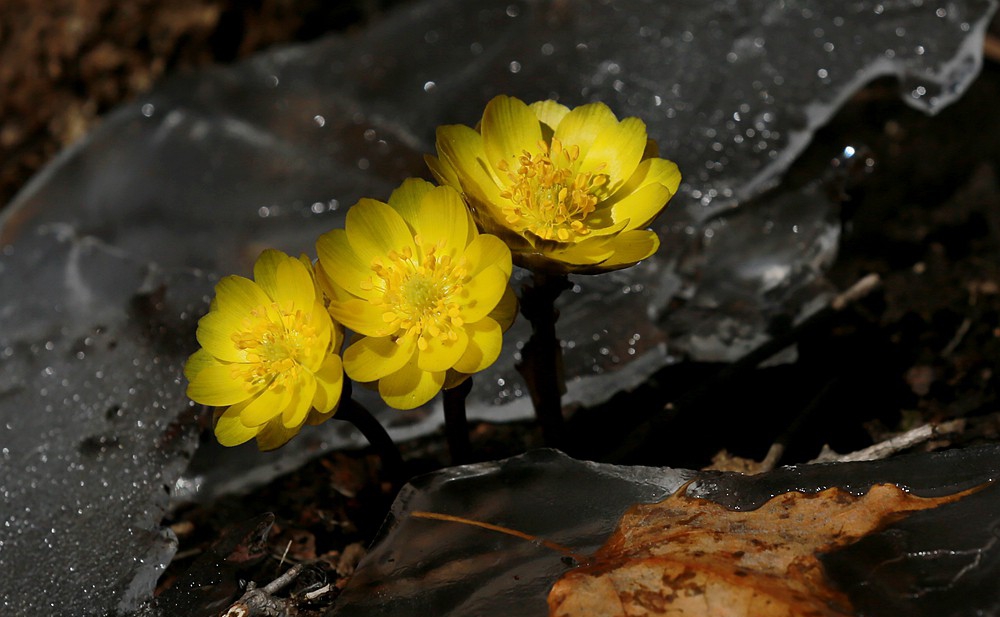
(691, 557)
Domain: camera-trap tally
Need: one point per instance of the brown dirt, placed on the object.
(64, 63)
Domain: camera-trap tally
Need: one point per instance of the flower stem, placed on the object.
(541, 362)
(363, 420)
(456, 425)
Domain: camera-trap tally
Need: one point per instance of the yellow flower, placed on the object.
(568, 190)
(427, 293)
(269, 354)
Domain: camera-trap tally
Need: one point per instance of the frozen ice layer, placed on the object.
(937, 562)
(94, 425)
(461, 569)
(110, 254)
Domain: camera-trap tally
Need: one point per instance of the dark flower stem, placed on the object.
(456, 425)
(363, 420)
(541, 362)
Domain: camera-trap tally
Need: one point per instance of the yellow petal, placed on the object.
(441, 354)
(198, 361)
(581, 125)
(268, 405)
(549, 113)
(314, 336)
(509, 129)
(461, 148)
(294, 285)
(485, 341)
(579, 257)
(643, 206)
(360, 316)
(410, 387)
(649, 171)
(506, 310)
(443, 171)
(487, 250)
(273, 435)
(329, 385)
(293, 415)
(407, 197)
(604, 226)
(216, 385)
(229, 431)
(630, 248)
(453, 379)
(482, 293)
(215, 335)
(265, 270)
(616, 151)
(372, 358)
(340, 264)
(442, 217)
(239, 296)
(316, 418)
(374, 229)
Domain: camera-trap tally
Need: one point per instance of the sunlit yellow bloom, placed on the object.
(568, 190)
(427, 292)
(269, 354)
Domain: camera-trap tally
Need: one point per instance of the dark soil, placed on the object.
(64, 63)
(922, 347)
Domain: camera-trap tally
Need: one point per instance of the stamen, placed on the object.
(420, 291)
(546, 196)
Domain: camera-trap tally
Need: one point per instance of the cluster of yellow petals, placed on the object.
(269, 357)
(427, 294)
(567, 190)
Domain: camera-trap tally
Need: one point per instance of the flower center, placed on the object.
(420, 292)
(274, 350)
(546, 197)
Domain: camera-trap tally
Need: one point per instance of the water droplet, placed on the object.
(319, 120)
(428, 86)
(148, 110)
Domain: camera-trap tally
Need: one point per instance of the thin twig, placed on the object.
(288, 547)
(449, 518)
(956, 340)
(897, 443)
(260, 601)
(284, 580)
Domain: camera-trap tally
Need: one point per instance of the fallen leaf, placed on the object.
(691, 557)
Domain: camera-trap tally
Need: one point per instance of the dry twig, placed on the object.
(260, 602)
(894, 444)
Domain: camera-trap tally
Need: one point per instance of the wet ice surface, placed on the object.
(110, 254)
(938, 562)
